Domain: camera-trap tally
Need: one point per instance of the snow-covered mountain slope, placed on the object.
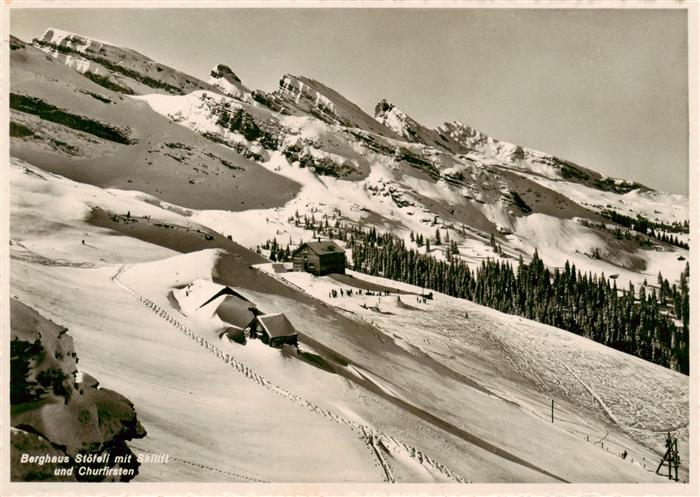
(70, 125)
(654, 205)
(184, 398)
(390, 392)
(458, 138)
(594, 379)
(299, 95)
(398, 180)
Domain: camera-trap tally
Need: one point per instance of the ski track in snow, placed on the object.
(202, 466)
(30, 256)
(374, 439)
(607, 410)
(373, 443)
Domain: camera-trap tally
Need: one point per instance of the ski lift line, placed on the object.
(600, 401)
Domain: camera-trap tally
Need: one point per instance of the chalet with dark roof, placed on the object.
(274, 329)
(319, 258)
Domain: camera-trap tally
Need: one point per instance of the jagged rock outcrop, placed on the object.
(469, 137)
(223, 78)
(490, 148)
(299, 95)
(62, 414)
(395, 119)
(408, 128)
(474, 140)
(224, 120)
(222, 71)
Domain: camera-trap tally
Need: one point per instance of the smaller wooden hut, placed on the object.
(274, 330)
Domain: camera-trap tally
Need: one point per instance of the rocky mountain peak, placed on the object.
(225, 72)
(225, 80)
(299, 88)
(464, 133)
(115, 68)
(299, 94)
(475, 140)
(409, 129)
(397, 120)
(382, 107)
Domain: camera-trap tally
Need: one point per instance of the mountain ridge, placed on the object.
(483, 182)
(312, 96)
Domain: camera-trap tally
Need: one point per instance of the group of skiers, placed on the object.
(348, 293)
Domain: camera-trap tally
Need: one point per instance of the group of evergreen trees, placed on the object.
(670, 239)
(637, 322)
(640, 224)
(277, 252)
(584, 304)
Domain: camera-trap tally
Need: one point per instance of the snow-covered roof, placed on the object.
(234, 308)
(277, 325)
(225, 291)
(322, 247)
(236, 311)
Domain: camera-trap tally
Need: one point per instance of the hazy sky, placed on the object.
(604, 88)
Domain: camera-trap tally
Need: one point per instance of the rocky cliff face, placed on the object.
(306, 97)
(299, 95)
(61, 414)
(116, 68)
(508, 154)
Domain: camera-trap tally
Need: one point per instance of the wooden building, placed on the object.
(274, 330)
(319, 258)
(241, 316)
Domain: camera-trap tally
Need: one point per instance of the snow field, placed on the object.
(132, 353)
(668, 207)
(192, 406)
(502, 353)
(374, 438)
(179, 272)
(48, 215)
